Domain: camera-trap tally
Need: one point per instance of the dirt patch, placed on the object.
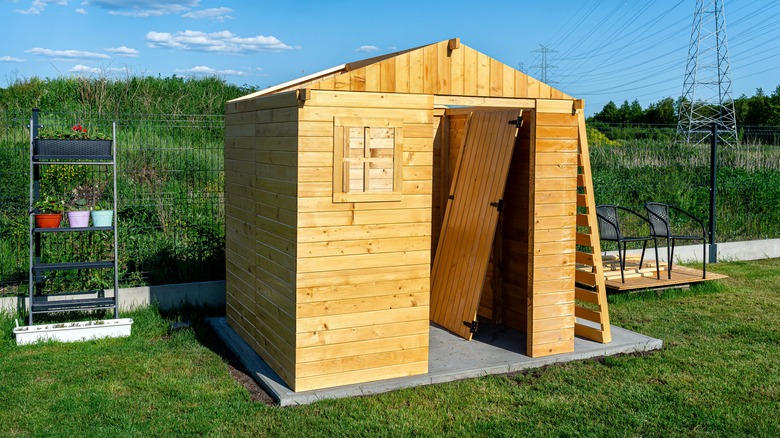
(236, 368)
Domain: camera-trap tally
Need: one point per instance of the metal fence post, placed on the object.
(713, 185)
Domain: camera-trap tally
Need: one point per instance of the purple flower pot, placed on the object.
(78, 219)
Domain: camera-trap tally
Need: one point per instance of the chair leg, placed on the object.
(670, 252)
(704, 259)
(657, 261)
(642, 259)
(621, 263)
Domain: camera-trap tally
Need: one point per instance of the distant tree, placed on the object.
(608, 114)
(759, 109)
(663, 112)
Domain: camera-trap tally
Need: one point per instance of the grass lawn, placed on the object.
(718, 374)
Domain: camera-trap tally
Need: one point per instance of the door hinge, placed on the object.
(499, 205)
(471, 325)
(518, 122)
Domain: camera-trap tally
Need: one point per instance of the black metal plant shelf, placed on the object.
(70, 229)
(39, 267)
(69, 305)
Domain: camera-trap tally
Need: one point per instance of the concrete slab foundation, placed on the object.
(495, 349)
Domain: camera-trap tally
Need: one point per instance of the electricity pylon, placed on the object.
(544, 66)
(706, 96)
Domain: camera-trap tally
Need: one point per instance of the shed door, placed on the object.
(470, 219)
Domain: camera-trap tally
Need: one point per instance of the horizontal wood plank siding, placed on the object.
(363, 268)
(260, 223)
(551, 303)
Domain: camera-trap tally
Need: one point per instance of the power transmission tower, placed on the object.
(544, 66)
(706, 96)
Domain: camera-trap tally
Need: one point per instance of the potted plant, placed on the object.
(77, 141)
(48, 212)
(78, 214)
(102, 214)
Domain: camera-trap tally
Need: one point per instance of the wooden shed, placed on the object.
(431, 184)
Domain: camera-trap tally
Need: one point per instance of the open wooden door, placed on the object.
(469, 226)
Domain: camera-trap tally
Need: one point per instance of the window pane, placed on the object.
(380, 177)
(354, 174)
(355, 143)
(381, 142)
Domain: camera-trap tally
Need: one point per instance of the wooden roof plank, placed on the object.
(444, 68)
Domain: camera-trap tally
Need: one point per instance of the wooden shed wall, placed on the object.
(436, 69)
(260, 225)
(363, 269)
(554, 169)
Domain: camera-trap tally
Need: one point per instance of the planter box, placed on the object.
(68, 148)
(74, 331)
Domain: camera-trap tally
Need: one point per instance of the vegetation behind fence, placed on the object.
(170, 207)
(171, 180)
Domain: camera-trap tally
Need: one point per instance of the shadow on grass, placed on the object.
(194, 318)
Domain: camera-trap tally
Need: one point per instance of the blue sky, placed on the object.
(599, 50)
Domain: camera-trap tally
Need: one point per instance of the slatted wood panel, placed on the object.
(362, 268)
(260, 224)
(517, 222)
(442, 68)
(593, 306)
(550, 323)
(469, 224)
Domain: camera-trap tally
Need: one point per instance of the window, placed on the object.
(368, 154)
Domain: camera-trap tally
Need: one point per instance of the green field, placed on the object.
(717, 375)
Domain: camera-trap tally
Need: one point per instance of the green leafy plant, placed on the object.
(76, 132)
(103, 205)
(49, 206)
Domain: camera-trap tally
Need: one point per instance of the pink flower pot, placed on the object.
(78, 219)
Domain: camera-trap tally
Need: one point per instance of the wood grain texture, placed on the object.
(469, 224)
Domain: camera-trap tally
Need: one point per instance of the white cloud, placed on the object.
(145, 8)
(202, 70)
(81, 11)
(123, 51)
(224, 42)
(10, 59)
(217, 14)
(80, 68)
(367, 49)
(39, 6)
(83, 69)
(67, 54)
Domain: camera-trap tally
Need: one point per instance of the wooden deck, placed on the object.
(645, 278)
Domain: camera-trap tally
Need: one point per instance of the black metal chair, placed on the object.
(609, 230)
(661, 227)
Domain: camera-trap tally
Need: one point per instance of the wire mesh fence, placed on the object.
(169, 192)
(171, 185)
(647, 165)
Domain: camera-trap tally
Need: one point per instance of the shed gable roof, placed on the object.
(443, 68)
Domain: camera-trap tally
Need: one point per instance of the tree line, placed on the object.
(757, 110)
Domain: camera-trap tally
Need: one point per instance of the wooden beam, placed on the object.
(498, 102)
(453, 44)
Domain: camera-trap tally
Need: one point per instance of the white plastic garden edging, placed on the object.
(74, 331)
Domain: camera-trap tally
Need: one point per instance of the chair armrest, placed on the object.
(697, 220)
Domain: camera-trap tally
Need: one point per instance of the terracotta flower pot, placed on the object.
(48, 220)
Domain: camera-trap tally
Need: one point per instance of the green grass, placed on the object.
(718, 374)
